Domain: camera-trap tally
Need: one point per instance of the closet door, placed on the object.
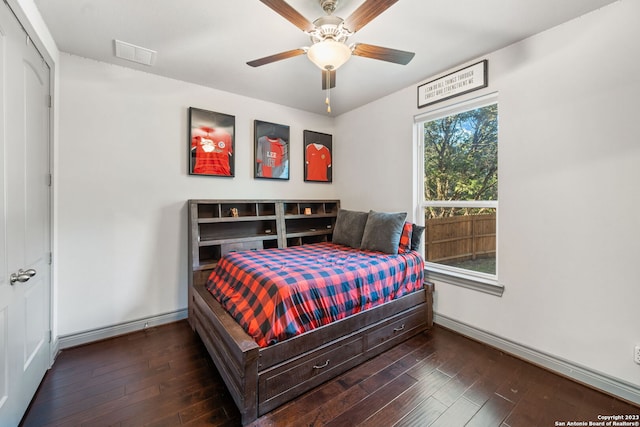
(24, 219)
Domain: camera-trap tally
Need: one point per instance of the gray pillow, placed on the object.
(349, 228)
(416, 237)
(382, 232)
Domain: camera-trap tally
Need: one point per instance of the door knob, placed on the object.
(22, 276)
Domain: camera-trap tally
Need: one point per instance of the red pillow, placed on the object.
(405, 238)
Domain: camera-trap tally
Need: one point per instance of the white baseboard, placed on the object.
(85, 337)
(598, 380)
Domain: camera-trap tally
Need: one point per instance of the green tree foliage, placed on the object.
(461, 159)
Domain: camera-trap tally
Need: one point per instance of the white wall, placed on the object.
(123, 184)
(569, 167)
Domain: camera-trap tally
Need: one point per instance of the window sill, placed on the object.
(486, 286)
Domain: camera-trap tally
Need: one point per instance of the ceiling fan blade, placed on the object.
(331, 80)
(290, 14)
(277, 57)
(383, 53)
(366, 13)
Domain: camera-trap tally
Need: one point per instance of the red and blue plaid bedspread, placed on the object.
(275, 294)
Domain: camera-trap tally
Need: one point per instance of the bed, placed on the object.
(270, 363)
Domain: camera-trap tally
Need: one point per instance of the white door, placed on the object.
(24, 219)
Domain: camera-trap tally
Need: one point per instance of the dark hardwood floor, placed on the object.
(163, 377)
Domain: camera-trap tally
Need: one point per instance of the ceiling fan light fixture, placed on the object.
(329, 54)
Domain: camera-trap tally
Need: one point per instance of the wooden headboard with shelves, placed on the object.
(217, 227)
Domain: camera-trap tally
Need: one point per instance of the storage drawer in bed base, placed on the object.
(287, 380)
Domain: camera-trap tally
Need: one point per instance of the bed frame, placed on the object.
(261, 379)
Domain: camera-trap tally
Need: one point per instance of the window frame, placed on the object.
(482, 282)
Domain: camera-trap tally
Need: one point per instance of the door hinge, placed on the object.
(50, 336)
(50, 258)
(49, 180)
(48, 101)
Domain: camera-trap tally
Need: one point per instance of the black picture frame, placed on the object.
(318, 156)
(211, 143)
(271, 150)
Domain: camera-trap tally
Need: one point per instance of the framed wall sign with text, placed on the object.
(459, 82)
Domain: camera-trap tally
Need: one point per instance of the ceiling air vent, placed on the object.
(135, 53)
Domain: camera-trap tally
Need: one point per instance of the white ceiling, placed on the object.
(208, 42)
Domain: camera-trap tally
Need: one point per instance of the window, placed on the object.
(459, 193)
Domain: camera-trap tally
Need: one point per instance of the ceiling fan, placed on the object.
(329, 49)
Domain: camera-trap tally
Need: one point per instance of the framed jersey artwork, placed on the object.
(271, 150)
(317, 157)
(211, 143)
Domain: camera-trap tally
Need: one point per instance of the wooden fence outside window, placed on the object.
(459, 238)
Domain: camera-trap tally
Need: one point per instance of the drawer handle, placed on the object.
(398, 329)
(324, 365)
